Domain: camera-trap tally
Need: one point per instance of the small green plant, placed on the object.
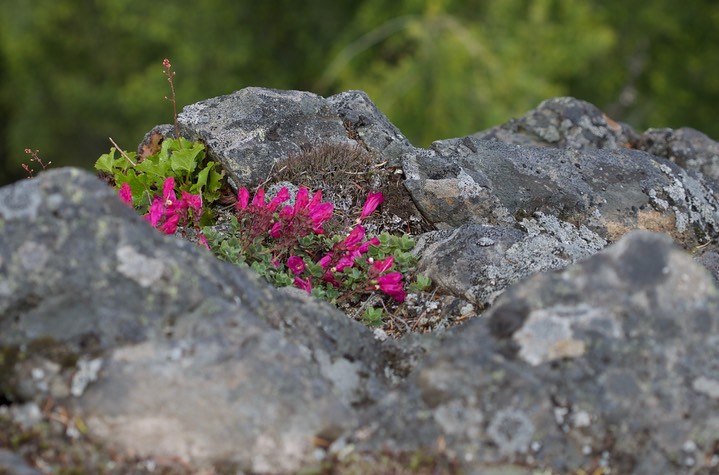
(140, 179)
(180, 159)
(372, 316)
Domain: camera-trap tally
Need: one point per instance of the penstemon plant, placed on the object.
(288, 245)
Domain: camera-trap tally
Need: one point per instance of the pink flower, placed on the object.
(316, 199)
(170, 224)
(287, 213)
(157, 211)
(168, 191)
(281, 196)
(296, 264)
(243, 198)
(192, 201)
(353, 239)
(391, 284)
(383, 266)
(364, 247)
(348, 260)
(126, 194)
(325, 261)
(259, 200)
(302, 198)
(276, 230)
(305, 285)
(319, 215)
(373, 200)
(203, 241)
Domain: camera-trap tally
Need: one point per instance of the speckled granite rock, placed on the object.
(563, 122)
(609, 363)
(611, 192)
(479, 261)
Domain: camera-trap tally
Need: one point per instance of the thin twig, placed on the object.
(122, 152)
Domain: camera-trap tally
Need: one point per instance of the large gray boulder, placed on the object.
(608, 366)
(162, 349)
(251, 130)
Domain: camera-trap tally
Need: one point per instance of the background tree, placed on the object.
(73, 72)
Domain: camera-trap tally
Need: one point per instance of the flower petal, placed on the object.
(126, 193)
(243, 198)
(373, 200)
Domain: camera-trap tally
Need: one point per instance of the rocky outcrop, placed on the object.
(594, 348)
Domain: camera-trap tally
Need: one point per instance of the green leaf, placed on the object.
(372, 316)
(183, 161)
(106, 162)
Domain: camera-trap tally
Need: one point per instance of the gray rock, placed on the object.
(688, 148)
(13, 464)
(251, 130)
(477, 262)
(563, 122)
(608, 362)
(162, 349)
(611, 192)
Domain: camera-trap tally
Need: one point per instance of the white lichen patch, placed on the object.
(467, 186)
(456, 418)
(87, 371)
(135, 266)
(19, 201)
(512, 431)
(32, 256)
(548, 334)
(343, 373)
(707, 386)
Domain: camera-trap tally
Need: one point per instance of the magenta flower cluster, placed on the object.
(167, 212)
(287, 225)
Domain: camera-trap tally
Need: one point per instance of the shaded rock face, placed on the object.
(596, 348)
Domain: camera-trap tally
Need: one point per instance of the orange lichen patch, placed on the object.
(652, 220)
(648, 220)
(615, 230)
(612, 124)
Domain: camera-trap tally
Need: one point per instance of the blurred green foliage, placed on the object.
(73, 72)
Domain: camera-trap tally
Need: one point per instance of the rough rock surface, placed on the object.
(478, 261)
(587, 359)
(563, 122)
(610, 192)
(566, 122)
(609, 363)
(686, 147)
(161, 347)
(254, 128)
